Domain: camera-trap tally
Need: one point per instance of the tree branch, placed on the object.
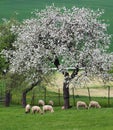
(31, 87)
(56, 62)
(75, 72)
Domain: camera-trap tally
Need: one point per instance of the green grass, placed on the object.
(25, 7)
(14, 118)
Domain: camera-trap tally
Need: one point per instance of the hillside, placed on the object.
(8, 8)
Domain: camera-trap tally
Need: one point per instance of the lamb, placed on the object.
(51, 103)
(36, 109)
(48, 108)
(81, 104)
(94, 104)
(27, 108)
(41, 103)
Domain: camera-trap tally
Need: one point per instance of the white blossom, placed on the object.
(76, 35)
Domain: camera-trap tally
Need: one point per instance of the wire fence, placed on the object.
(104, 95)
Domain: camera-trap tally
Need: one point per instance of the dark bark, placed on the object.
(24, 102)
(7, 98)
(75, 72)
(67, 80)
(66, 95)
(24, 99)
(66, 90)
(56, 62)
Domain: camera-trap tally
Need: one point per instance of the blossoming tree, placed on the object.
(75, 38)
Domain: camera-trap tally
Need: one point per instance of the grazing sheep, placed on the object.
(62, 107)
(48, 108)
(27, 108)
(94, 104)
(81, 104)
(51, 103)
(41, 103)
(36, 109)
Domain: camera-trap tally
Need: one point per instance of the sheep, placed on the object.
(27, 108)
(41, 103)
(81, 104)
(62, 107)
(94, 104)
(48, 108)
(51, 103)
(36, 109)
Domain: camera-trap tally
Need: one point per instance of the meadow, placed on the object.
(9, 8)
(14, 118)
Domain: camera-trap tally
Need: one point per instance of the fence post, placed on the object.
(45, 94)
(89, 93)
(108, 95)
(59, 96)
(73, 92)
(33, 98)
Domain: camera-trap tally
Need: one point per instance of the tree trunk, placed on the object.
(67, 80)
(24, 102)
(66, 96)
(7, 98)
(66, 90)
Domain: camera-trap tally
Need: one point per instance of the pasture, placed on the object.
(14, 118)
(8, 8)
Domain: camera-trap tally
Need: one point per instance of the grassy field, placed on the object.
(14, 118)
(24, 7)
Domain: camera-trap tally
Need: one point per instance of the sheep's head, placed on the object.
(98, 106)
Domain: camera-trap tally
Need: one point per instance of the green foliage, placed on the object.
(11, 82)
(6, 40)
(14, 118)
(14, 81)
(111, 71)
(3, 64)
(6, 36)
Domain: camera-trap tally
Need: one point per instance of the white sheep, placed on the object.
(27, 108)
(36, 109)
(41, 103)
(51, 103)
(62, 107)
(94, 104)
(81, 104)
(48, 108)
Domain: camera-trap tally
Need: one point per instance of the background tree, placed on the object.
(13, 80)
(30, 84)
(75, 37)
(6, 40)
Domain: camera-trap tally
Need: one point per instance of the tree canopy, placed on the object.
(76, 36)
